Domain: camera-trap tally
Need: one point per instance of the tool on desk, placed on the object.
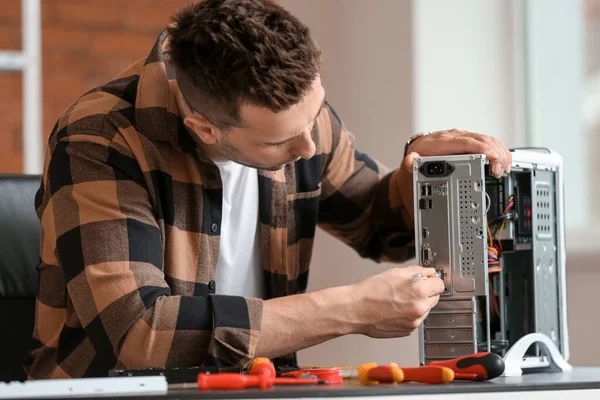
(428, 374)
(480, 366)
(262, 365)
(371, 374)
(233, 381)
(229, 380)
(343, 371)
(265, 366)
(330, 375)
(261, 374)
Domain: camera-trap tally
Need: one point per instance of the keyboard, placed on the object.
(97, 387)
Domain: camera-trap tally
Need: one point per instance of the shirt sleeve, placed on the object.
(100, 229)
(360, 200)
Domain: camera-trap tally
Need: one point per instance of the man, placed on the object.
(180, 200)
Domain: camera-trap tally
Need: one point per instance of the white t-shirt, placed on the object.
(239, 269)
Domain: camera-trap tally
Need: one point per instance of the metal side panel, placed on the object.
(545, 255)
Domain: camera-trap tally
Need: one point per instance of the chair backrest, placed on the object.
(19, 257)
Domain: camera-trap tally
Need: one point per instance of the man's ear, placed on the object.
(203, 128)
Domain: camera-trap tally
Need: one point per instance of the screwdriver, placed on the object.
(480, 366)
(228, 381)
(428, 374)
(261, 365)
(371, 374)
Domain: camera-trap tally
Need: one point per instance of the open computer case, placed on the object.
(499, 246)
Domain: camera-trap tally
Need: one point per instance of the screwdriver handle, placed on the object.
(228, 381)
(428, 374)
(371, 374)
(386, 374)
(262, 368)
(296, 381)
(484, 365)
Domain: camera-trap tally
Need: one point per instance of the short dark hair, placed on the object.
(230, 52)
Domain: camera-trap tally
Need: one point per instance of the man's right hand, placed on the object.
(392, 304)
(386, 305)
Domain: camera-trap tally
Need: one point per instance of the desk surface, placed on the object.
(578, 379)
(581, 383)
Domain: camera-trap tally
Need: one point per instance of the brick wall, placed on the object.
(84, 43)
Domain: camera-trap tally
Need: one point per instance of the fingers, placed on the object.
(407, 163)
(420, 310)
(432, 302)
(456, 141)
(507, 153)
(500, 164)
(429, 287)
(396, 304)
(427, 271)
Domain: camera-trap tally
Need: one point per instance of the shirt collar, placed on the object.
(157, 115)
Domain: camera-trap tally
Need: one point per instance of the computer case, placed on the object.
(499, 246)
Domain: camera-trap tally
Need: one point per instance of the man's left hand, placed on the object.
(453, 141)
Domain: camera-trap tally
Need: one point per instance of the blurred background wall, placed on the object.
(392, 68)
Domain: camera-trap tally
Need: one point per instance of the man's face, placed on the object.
(270, 140)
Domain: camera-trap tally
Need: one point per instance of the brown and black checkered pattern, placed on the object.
(130, 210)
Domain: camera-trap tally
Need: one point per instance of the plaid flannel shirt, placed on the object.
(130, 211)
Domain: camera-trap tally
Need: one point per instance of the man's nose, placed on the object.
(304, 147)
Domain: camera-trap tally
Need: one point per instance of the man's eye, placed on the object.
(277, 145)
(273, 145)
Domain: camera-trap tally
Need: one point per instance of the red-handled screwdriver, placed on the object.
(228, 381)
(232, 381)
(428, 374)
(372, 374)
(480, 366)
(264, 366)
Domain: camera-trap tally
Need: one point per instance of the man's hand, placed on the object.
(450, 142)
(456, 141)
(392, 304)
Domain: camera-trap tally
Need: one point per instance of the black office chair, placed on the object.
(19, 257)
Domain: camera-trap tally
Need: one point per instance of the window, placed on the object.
(591, 100)
(561, 57)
